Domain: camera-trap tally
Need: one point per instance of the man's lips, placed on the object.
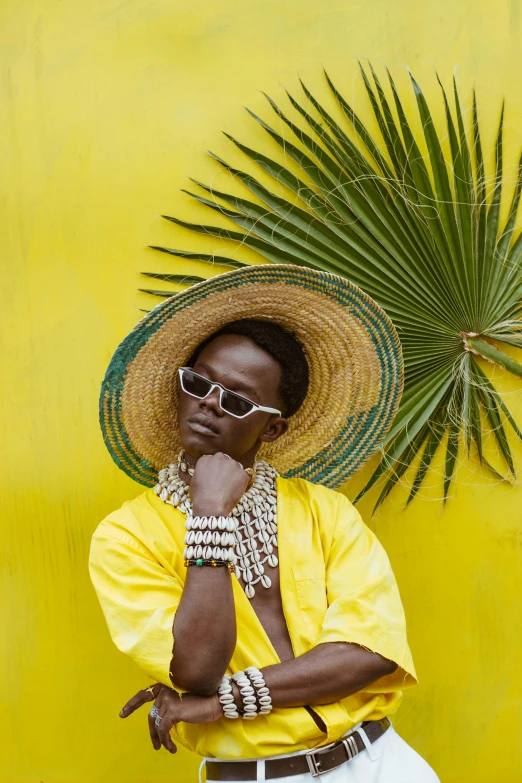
(202, 424)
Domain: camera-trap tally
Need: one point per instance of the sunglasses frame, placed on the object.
(222, 389)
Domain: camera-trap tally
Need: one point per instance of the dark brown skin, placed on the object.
(205, 623)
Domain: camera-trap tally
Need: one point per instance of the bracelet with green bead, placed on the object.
(201, 561)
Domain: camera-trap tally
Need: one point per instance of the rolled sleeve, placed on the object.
(139, 598)
(364, 604)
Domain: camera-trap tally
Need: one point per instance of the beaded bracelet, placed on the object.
(206, 562)
(263, 694)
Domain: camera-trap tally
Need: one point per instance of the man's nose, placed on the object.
(212, 402)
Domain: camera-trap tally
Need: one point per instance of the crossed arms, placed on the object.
(204, 631)
(183, 632)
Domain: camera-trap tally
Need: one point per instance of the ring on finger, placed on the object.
(153, 712)
(158, 720)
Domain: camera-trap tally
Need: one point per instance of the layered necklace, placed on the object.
(255, 515)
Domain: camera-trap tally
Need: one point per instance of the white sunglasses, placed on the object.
(229, 401)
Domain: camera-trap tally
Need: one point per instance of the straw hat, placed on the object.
(352, 348)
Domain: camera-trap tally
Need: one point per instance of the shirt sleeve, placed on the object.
(139, 598)
(364, 605)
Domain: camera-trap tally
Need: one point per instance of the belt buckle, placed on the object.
(314, 765)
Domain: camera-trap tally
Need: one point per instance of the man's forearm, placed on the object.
(205, 622)
(324, 674)
(204, 630)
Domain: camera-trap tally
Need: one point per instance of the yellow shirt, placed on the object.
(336, 585)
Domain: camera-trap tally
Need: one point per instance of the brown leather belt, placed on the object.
(316, 761)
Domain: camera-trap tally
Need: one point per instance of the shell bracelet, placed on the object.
(210, 537)
(253, 521)
(253, 691)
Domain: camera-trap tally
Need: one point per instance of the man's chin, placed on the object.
(197, 444)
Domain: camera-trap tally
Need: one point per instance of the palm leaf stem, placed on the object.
(492, 354)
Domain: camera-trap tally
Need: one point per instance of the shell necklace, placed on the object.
(255, 515)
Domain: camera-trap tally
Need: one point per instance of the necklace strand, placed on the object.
(255, 515)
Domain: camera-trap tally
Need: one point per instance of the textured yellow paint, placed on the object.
(107, 107)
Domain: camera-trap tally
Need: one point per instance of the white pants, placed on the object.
(394, 761)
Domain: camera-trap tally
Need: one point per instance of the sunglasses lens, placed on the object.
(198, 386)
(235, 405)
(195, 384)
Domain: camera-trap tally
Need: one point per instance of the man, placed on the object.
(309, 622)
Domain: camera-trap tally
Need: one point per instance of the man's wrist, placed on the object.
(214, 511)
(216, 707)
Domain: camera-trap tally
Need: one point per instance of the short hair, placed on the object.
(280, 344)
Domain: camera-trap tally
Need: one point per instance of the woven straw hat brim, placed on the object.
(352, 348)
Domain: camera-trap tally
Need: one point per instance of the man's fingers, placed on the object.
(163, 730)
(159, 732)
(160, 696)
(139, 699)
(156, 742)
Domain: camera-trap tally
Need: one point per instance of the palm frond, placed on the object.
(422, 234)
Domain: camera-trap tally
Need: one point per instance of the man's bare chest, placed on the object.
(268, 606)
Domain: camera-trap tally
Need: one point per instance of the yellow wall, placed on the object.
(107, 107)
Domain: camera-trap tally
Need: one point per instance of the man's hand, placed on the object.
(172, 709)
(217, 484)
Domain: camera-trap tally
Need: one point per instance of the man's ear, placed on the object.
(274, 430)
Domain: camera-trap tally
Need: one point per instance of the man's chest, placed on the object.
(268, 606)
